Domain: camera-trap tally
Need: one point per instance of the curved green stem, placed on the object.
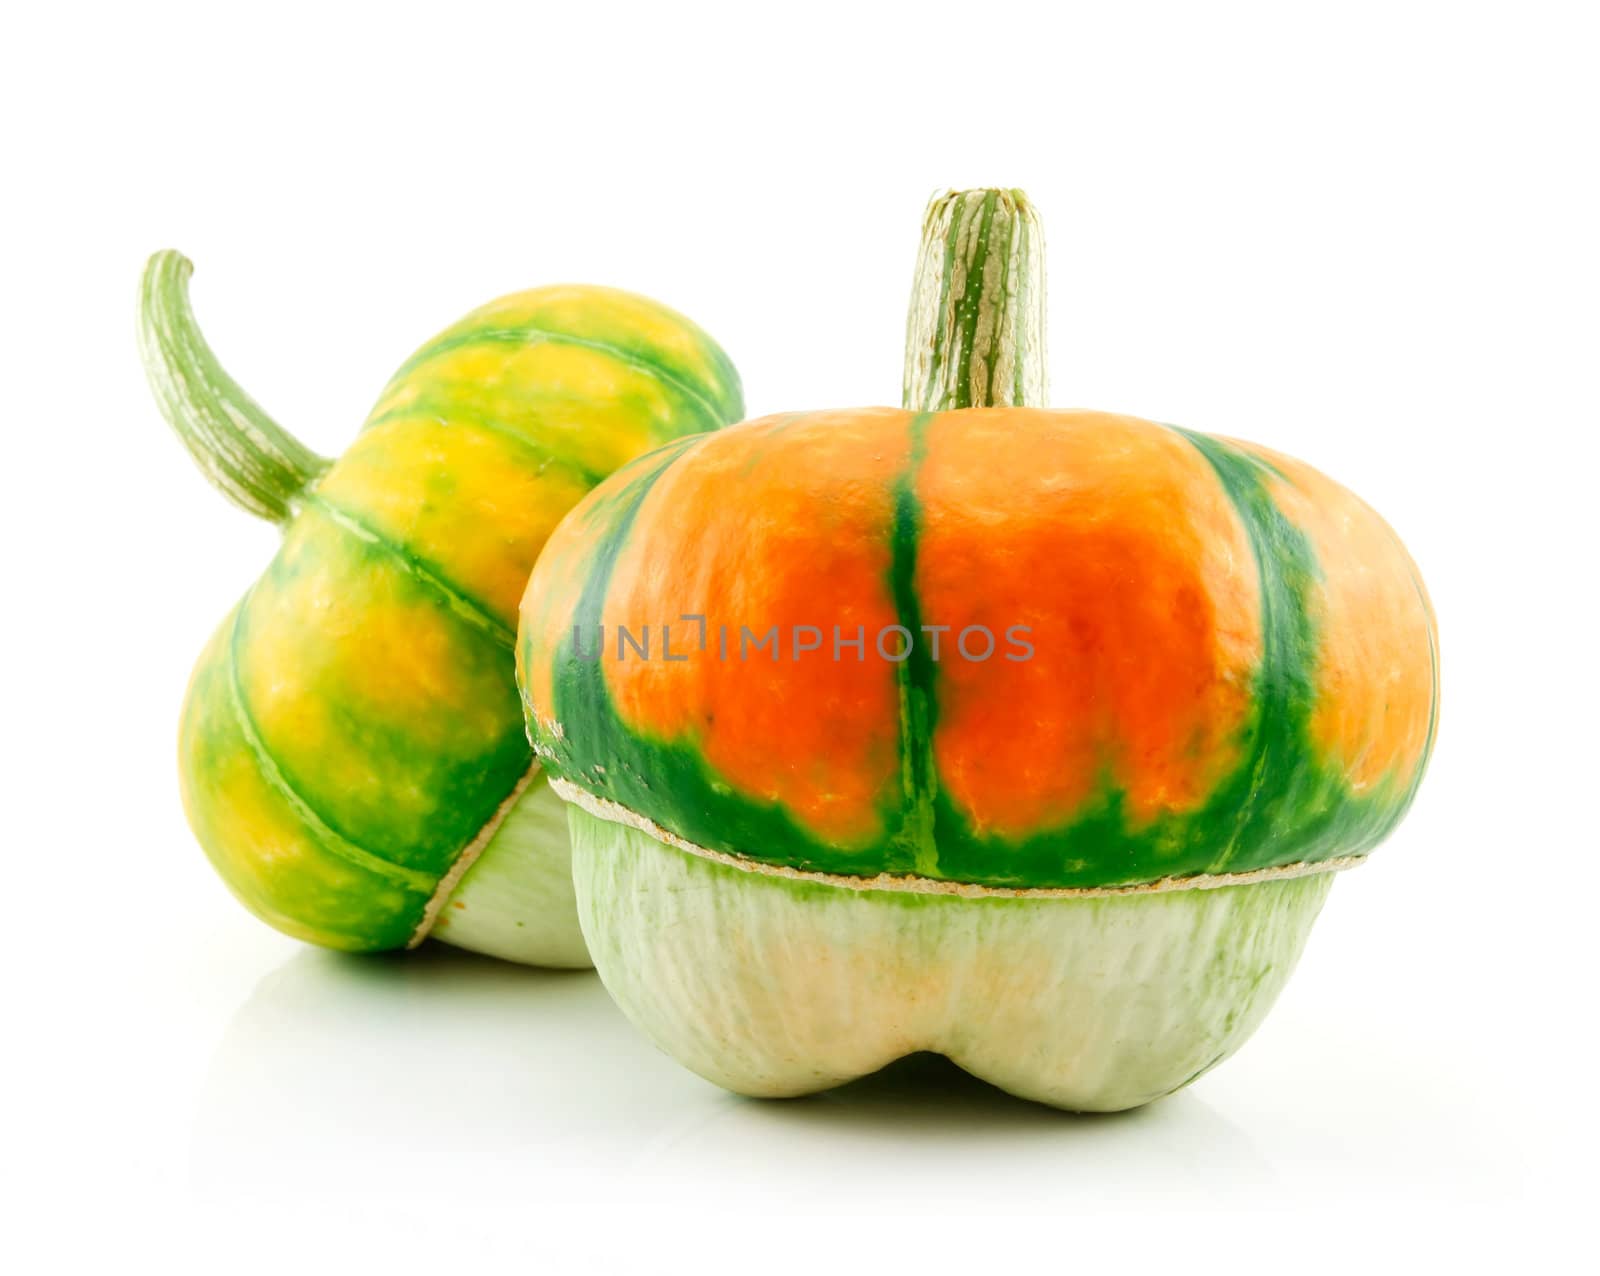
(253, 460)
(975, 335)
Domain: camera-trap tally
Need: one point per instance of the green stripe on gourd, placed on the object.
(919, 702)
(526, 335)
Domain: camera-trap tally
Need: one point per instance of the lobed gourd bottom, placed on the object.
(773, 986)
(516, 901)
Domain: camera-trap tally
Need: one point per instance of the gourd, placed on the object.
(1070, 720)
(352, 755)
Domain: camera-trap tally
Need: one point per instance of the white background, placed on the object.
(1363, 234)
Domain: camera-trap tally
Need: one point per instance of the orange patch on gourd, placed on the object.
(777, 522)
(1375, 672)
(1113, 540)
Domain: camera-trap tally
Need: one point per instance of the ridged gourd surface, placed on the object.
(1234, 661)
(354, 722)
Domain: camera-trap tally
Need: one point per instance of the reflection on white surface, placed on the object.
(436, 1072)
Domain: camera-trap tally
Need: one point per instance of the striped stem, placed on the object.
(253, 460)
(975, 334)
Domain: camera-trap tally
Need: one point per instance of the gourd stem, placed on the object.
(256, 463)
(975, 334)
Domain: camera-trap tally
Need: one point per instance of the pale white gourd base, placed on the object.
(515, 900)
(770, 985)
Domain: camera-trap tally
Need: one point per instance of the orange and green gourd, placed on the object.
(1070, 663)
(352, 754)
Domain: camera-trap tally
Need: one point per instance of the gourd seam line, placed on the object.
(330, 839)
(453, 417)
(911, 883)
(459, 601)
(467, 857)
(511, 336)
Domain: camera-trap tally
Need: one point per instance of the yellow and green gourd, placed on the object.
(352, 752)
